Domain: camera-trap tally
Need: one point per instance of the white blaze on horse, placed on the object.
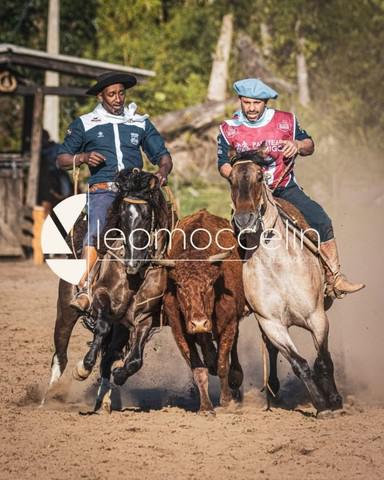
(283, 281)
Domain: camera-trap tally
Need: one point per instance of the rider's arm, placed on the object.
(305, 147)
(304, 141)
(301, 145)
(223, 156)
(156, 151)
(65, 160)
(71, 149)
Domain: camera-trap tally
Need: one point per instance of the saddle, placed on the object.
(296, 219)
(298, 223)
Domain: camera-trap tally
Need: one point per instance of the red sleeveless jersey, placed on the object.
(278, 125)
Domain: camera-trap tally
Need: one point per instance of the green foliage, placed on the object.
(177, 38)
(23, 22)
(214, 198)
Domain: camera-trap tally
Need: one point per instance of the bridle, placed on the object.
(152, 232)
(259, 222)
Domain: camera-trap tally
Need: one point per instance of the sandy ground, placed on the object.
(156, 434)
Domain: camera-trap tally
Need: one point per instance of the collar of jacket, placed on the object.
(128, 116)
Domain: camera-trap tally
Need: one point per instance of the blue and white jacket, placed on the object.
(116, 137)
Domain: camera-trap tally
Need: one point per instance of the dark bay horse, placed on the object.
(283, 282)
(128, 288)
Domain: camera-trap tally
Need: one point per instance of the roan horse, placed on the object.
(283, 282)
(127, 289)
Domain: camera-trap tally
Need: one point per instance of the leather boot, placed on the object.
(81, 300)
(337, 282)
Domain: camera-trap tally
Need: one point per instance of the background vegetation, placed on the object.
(343, 48)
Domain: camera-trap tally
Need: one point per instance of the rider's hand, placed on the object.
(93, 159)
(290, 148)
(162, 175)
(225, 170)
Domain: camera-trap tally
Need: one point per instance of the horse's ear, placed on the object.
(262, 150)
(153, 182)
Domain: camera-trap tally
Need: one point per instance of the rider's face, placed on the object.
(252, 108)
(113, 98)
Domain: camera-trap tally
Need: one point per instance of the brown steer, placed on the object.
(205, 301)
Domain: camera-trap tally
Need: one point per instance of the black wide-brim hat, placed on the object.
(110, 78)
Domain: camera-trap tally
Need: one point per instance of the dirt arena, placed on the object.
(156, 433)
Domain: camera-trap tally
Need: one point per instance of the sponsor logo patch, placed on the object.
(231, 132)
(283, 126)
(100, 134)
(134, 138)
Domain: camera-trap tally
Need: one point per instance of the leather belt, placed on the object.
(108, 186)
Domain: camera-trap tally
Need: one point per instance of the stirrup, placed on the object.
(76, 301)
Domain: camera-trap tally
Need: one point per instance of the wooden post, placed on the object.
(33, 175)
(52, 102)
(38, 220)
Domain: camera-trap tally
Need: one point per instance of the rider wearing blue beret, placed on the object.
(257, 124)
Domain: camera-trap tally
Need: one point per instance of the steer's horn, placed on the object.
(166, 262)
(218, 257)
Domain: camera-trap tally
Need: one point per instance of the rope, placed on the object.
(173, 202)
(75, 175)
(289, 164)
(138, 201)
(149, 299)
(75, 178)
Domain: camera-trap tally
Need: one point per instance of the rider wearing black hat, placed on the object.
(109, 139)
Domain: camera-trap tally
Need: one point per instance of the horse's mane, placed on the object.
(258, 156)
(134, 184)
(139, 185)
(253, 155)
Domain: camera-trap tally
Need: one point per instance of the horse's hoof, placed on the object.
(340, 412)
(235, 379)
(132, 367)
(119, 376)
(225, 400)
(324, 414)
(117, 364)
(80, 373)
(209, 413)
(106, 403)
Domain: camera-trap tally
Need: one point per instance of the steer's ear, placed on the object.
(219, 257)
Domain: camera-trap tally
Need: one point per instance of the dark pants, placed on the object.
(312, 211)
(99, 202)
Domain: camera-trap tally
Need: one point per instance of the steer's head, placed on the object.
(194, 284)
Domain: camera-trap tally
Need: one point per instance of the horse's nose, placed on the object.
(200, 326)
(132, 267)
(244, 220)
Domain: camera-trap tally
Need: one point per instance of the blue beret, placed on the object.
(254, 88)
